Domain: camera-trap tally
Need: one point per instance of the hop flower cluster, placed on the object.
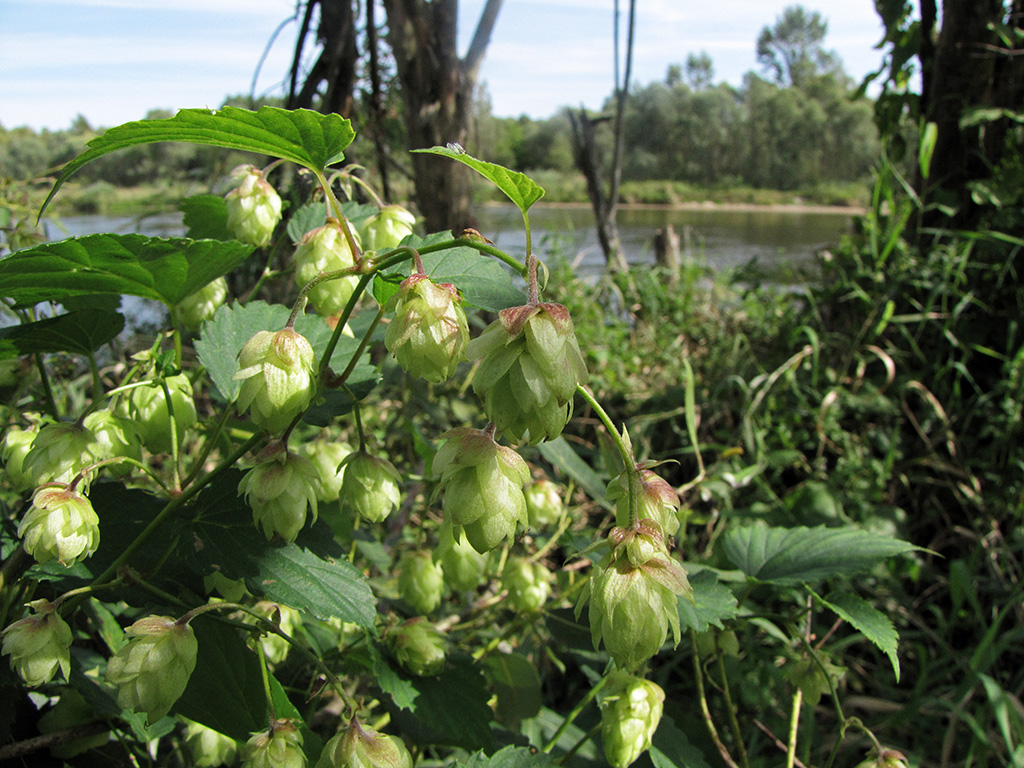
(418, 646)
(254, 208)
(429, 332)
(656, 499)
(420, 581)
(152, 417)
(528, 584)
(279, 490)
(192, 310)
(58, 453)
(631, 709)
(61, 524)
(280, 747)
(39, 645)
(326, 249)
(370, 486)
(276, 371)
(387, 228)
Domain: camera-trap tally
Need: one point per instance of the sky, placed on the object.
(112, 61)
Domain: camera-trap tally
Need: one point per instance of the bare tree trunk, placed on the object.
(335, 67)
(437, 91)
(377, 100)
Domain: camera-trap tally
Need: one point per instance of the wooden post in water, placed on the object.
(666, 252)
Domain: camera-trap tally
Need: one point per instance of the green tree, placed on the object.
(700, 71)
(791, 50)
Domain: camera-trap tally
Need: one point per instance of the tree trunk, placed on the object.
(336, 64)
(437, 92)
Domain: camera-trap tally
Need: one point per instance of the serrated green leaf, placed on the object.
(163, 269)
(807, 555)
(713, 603)
(399, 687)
(670, 748)
(302, 136)
(515, 682)
(83, 332)
(225, 691)
(206, 217)
(518, 187)
(867, 620)
(510, 757)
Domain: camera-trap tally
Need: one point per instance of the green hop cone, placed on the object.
(209, 748)
(326, 249)
(279, 489)
(528, 584)
(254, 208)
(359, 746)
(152, 669)
(280, 747)
(148, 406)
(639, 543)
(483, 486)
(530, 366)
(543, 503)
(60, 525)
(464, 568)
(631, 709)
(39, 645)
(371, 486)
(429, 332)
(115, 437)
(420, 581)
(884, 758)
(656, 500)
(16, 444)
(277, 375)
(328, 456)
(387, 229)
(418, 646)
(192, 310)
(632, 607)
(59, 452)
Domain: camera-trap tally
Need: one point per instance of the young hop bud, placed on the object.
(362, 747)
(884, 758)
(16, 444)
(59, 452)
(280, 747)
(483, 486)
(631, 709)
(528, 584)
(209, 748)
(529, 370)
(152, 418)
(115, 437)
(543, 503)
(254, 208)
(420, 581)
(326, 249)
(192, 310)
(428, 334)
(464, 568)
(279, 490)
(632, 607)
(277, 375)
(387, 229)
(61, 524)
(370, 486)
(152, 669)
(656, 500)
(638, 543)
(39, 645)
(418, 646)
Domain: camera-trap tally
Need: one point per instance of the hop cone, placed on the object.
(115, 437)
(631, 709)
(543, 503)
(528, 584)
(656, 500)
(61, 524)
(152, 669)
(418, 646)
(39, 645)
(326, 249)
(17, 443)
(328, 456)
(361, 747)
(387, 229)
(530, 366)
(279, 490)
(192, 310)
(281, 747)
(464, 568)
(483, 486)
(149, 409)
(209, 748)
(420, 581)
(58, 453)
(370, 486)
(254, 208)
(276, 371)
(429, 332)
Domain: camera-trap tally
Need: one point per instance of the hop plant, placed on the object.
(631, 709)
(483, 486)
(58, 453)
(530, 366)
(279, 489)
(61, 524)
(192, 310)
(254, 208)
(115, 437)
(39, 645)
(371, 486)
(152, 418)
(543, 503)
(359, 746)
(464, 568)
(152, 669)
(209, 748)
(418, 646)
(274, 647)
(429, 332)
(884, 758)
(633, 606)
(656, 499)
(276, 371)
(387, 229)
(328, 457)
(420, 581)
(326, 249)
(17, 442)
(278, 747)
(528, 584)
